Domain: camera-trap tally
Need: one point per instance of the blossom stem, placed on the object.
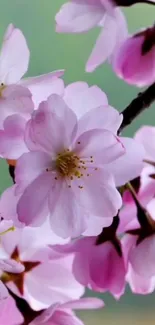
(12, 172)
(127, 3)
(109, 234)
(25, 309)
(137, 106)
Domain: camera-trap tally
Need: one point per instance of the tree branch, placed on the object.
(137, 106)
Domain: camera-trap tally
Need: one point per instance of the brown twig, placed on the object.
(137, 106)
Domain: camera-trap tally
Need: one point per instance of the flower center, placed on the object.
(67, 164)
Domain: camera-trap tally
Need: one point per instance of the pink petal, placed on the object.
(44, 85)
(144, 252)
(138, 284)
(102, 117)
(122, 28)
(12, 144)
(50, 121)
(99, 196)
(73, 89)
(15, 100)
(14, 57)
(102, 145)
(9, 313)
(77, 18)
(45, 316)
(131, 162)
(53, 282)
(66, 317)
(8, 211)
(34, 212)
(3, 295)
(81, 268)
(11, 266)
(145, 135)
(96, 224)
(81, 98)
(128, 218)
(29, 166)
(140, 70)
(104, 46)
(113, 34)
(107, 269)
(84, 303)
(41, 236)
(67, 216)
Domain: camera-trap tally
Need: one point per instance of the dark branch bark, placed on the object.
(137, 106)
(28, 314)
(12, 172)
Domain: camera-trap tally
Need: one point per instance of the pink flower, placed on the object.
(44, 280)
(48, 151)
(139, 264)
(98, 262)
(94, 114)
(78, 16)
(90, 104)
(138, 243)
(16, 103)
(134, 60)
(62, 313)
(9, 313)
(14, 60)
(65, 172)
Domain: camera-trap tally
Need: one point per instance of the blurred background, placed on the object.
(51, 51)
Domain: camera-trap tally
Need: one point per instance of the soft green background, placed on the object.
(51, 51)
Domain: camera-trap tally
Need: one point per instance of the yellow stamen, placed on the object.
(6, 231)
(67, 164)
(2, 87)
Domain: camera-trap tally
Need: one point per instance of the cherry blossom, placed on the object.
(69, 171)
(139, 283)
(16, 103)
(78, 16)
(14, 60)
(43, 280)
(81, 211)
(98, 266)
(134, 60)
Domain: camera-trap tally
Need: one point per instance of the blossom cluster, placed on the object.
(132, 56)
(80, 213)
